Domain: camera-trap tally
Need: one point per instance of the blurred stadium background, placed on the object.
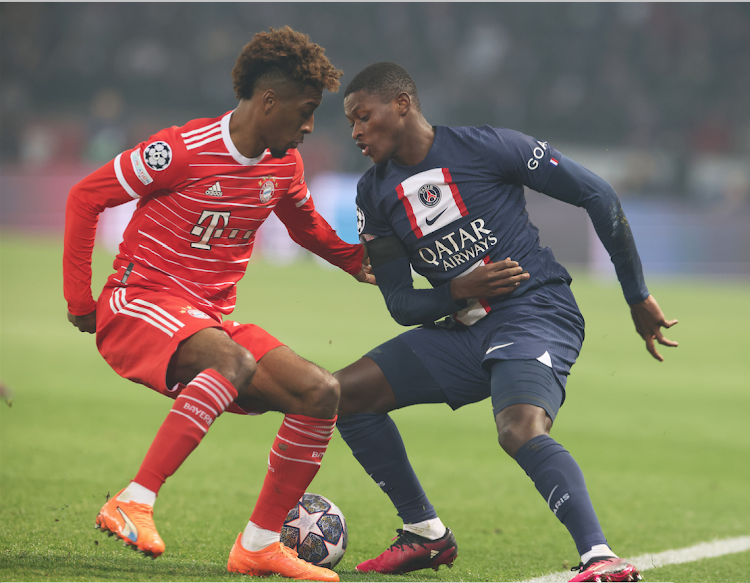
(651, 96)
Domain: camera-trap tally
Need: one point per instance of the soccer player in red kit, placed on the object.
(203, 190)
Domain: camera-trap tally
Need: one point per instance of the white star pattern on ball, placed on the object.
(307, 523)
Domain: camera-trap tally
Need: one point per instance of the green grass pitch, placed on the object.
(664, 447)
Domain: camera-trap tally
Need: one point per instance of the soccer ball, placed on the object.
(316, 529)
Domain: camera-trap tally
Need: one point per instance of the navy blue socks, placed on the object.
(559, 479)
(377, 445)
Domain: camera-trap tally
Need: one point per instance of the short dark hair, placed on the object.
(386, 81)
(283, 55)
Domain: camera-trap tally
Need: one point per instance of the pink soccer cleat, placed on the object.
(412, 552)
(606, 569)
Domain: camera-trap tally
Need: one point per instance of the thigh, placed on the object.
(434, 365)
(365, 389)
(139, 330)
(528, 382)
(543, 325)
(286, 382)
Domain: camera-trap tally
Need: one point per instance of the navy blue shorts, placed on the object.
(437, 364)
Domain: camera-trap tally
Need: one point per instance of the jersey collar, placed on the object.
(233, 149)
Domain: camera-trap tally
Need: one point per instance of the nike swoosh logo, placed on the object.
(496, 347)
(431, 222)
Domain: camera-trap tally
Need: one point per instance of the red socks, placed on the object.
(193, 412)
(292, 464)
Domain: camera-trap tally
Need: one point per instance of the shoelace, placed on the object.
(406, 538)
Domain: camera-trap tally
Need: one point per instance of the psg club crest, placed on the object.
(429, 195)
(267, 188)
(157, 155)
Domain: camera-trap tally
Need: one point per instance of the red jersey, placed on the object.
(200, 203)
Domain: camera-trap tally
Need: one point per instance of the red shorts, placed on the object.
(138, 331)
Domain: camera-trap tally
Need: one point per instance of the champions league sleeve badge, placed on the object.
(157, 155)
(360, 221)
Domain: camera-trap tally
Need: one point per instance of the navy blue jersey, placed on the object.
(464, 206)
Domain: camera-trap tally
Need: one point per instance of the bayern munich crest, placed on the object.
(266, 191)
(157, 155)
(429, 195)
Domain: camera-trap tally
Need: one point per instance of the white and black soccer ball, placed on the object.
(316, 529)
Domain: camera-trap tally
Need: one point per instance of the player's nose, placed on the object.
(307, 127)
(356, 131)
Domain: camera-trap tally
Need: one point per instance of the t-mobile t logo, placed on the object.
(212, 230)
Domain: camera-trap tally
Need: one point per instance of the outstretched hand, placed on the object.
(649, 320)
(86, 323)
(365, 274)
(486, 281)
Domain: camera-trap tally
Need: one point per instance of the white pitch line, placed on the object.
(645, 562)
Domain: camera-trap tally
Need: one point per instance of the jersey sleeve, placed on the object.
(159, 163)
(298, 191)
(309, 229)
(521, 159)
(371, 223)
(86, 201)
(154, 165)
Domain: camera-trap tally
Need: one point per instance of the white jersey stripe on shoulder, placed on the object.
(206, 141)
(199, 130)
(121, 178)
(203, 429)
(199, 135)
(203, 136)
(147, 319)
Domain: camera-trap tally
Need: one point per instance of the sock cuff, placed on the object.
(213, 385)
(304, 419)
(536, 451)
(320, 430)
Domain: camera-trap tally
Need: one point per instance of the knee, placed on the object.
(346, 394)
(509, 436)
(322, 396)
(238, 366)
(518, 424)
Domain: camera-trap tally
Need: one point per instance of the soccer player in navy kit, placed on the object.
(500, 320)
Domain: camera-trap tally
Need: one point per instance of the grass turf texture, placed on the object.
(663, 446)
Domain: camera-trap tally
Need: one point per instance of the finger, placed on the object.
(652, 349)
(669, 324)
(504, 264)
(665, 341)
(495, 274)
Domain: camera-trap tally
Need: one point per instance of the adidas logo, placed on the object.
(214, 190)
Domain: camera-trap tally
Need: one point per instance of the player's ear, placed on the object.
(269, 100)
(403, 103)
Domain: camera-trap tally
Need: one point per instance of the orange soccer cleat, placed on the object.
(275, 559)
(133, 523)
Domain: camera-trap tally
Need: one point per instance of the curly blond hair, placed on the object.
(284, 55)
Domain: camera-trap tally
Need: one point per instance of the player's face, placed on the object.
(291, 118)
(376, 126)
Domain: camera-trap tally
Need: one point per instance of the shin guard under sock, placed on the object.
(194, 410)
(559, 480)
(377, 445)
(292, 464)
